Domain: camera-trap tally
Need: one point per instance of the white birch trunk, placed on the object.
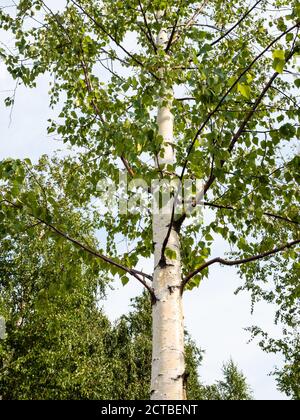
(168, 365)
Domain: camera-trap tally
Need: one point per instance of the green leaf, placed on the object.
(278, 65)
(209, 237)
(280, 54)
(279, 60)
(297, 83)
(124, 280)
(171, 254)
(287, 131)
(28, 162)
(194, 282)
(244, 90)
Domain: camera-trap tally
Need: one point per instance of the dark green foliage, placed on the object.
(132, 347)
(233, 386)
(55, 347)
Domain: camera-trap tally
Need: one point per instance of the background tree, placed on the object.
(134, 342)
(233, 386)
(221, 78)
(55, 345)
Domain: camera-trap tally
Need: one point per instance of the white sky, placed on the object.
(214, 316)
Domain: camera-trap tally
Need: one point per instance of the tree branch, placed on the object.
(97, 110)
(139, 275)
(237, 262)
(241, 129)
(127, 166)
(149, 34)
(170, 42)
(186, 25)
(112, 38)
(185, 99)
(215, 110)
(239, 132)
(275, 216)
(286, 96)
(88, 82)
(236, 25)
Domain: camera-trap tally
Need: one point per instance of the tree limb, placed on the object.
(127, 166)
(112, 38)
(170, 42)
(215, 110)
(275, 216)
(244, 124)
(239, 132)
(148, 33)
(237, 262)
(97, 110)
(139, 275)
(88, 82)
(186, 25)
(286, 96)
(236, 25)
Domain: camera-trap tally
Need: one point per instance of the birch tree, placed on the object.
(58, 343)
(171, 91)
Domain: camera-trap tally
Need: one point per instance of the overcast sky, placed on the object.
(214, 316)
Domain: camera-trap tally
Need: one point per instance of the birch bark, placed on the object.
(168, 365)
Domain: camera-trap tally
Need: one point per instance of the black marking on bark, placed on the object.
(184, 376)
(172, 289)
(178, 378)
(177, 225)
(185, 384)
(163, 263)
(154, 299)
